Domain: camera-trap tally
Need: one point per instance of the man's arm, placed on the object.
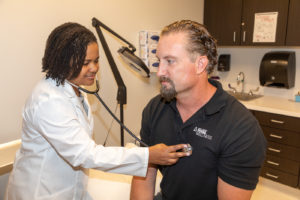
(142, 188)
(229, 192)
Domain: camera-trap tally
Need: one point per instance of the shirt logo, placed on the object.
(202, 133)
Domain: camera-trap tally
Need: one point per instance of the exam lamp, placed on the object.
(134, 62)
(127, 54)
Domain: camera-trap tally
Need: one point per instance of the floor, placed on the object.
(110, 183)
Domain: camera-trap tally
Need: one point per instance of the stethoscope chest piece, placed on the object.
(187, 149)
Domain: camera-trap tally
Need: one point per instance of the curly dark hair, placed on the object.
(65, 51)
(200, 40)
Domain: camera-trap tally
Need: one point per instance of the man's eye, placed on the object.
(170, 61)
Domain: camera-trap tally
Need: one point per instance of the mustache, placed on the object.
(164, 79)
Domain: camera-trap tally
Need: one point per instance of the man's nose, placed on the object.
(161, 70)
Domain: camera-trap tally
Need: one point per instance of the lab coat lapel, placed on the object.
(85, 119)
(89, 115)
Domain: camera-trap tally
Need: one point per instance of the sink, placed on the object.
(244, 96)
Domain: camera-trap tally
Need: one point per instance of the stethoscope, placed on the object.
(95, 92)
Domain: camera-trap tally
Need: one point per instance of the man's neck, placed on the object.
(189, 103)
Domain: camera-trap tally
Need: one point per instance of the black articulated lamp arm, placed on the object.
(121, 96)
(97, 23)
(128, 55)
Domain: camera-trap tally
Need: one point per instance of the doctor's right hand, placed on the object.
(162, 154)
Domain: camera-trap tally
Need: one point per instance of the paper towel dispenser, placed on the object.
(277, 69)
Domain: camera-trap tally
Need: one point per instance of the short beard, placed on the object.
(167, 93)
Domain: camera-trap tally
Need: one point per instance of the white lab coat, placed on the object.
(57, 148)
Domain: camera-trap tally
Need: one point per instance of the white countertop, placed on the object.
(7, 155)
(274, 105)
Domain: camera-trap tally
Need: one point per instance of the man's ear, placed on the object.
(201, 63)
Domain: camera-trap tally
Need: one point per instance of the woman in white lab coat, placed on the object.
(57, 146)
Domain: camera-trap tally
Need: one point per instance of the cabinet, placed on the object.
(223, 20)
(231, 22)
(250, 7)
(293, 28)
(282, 162)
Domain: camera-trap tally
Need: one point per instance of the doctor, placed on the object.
(57, 146)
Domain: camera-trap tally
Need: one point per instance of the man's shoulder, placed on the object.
(240, 110)
(156, 105)
(155, 101)
(239, 122)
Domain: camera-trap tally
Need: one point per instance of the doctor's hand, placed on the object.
(162, 154)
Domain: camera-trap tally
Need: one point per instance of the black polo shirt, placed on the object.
(227, 142)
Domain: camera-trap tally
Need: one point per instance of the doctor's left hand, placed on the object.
(162, 154)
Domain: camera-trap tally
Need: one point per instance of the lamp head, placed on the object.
(134, 62)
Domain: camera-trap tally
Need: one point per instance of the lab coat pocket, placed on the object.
(57, 176)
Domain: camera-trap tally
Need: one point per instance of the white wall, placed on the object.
(25, 26)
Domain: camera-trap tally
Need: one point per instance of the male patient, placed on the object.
(227, 142)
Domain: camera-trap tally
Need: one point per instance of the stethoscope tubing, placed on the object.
(95, 92)
(123, 126)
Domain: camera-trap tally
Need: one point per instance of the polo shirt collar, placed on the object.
(214, 105)
(217, 101)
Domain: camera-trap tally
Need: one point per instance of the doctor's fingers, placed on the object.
(160, 154)
(171, 161)
(174, 157)
(181, 150)
(176, 147)
(166, 155)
